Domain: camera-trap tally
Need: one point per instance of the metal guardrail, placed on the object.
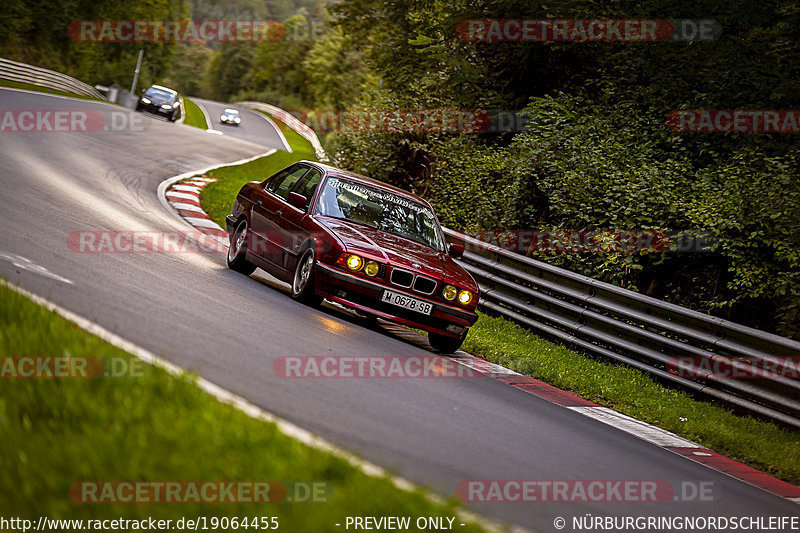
(627, 327)
(731, 363)
(24, 73)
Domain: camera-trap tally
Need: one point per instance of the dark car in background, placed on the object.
(161, 101)
(336, 235)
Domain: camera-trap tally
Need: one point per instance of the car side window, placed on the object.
(309, 185)
(282, 184)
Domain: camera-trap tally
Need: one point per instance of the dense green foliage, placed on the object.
(38, 33)
(596, 151)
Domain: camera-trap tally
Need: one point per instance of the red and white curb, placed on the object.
(184, 197)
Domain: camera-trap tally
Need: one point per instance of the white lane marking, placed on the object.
(202, 222)
(26, 264)
(210, 128)
(795, 500)
(497, 369)
(276, 128)
(481, 365)
(184, 195)
(287, 428)
(186, 188)
(187, 207)
(637, 428)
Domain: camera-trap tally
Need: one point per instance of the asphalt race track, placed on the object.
(254, 127)
(193, 311)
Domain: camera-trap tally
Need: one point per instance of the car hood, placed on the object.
(157, 100)
(397, 251)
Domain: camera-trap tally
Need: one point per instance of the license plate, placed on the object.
(407, 302)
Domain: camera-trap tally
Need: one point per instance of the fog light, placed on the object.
(449, 292)
(464, 297)
(372, 268)
(354, 262)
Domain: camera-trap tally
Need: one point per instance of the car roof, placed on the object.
(163, 88)
(338, 172)
(230, 110)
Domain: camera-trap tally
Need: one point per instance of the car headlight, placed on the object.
(223, 117)
(166, 106)
(237, 120)
(372, 268)
(449, 292)
(354, 262)
(146, 100)
(465, 297)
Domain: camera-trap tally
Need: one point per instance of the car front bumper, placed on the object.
(155, 109)
(365, 295)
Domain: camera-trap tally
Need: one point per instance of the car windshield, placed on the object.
(381, 209)
(157, 93)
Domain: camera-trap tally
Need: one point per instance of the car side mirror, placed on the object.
(456, 250)
(297, 200)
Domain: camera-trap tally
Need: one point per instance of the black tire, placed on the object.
(443, 344)
(237, 250)
(303, 279)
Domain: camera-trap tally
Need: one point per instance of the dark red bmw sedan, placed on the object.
(366, 245)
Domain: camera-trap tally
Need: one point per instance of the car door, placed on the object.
(292, 224)
(267, 211)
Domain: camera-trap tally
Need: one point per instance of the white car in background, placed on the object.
(230, 117)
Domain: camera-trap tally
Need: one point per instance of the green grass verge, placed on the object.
(217, 198)
(194, 115)
(156, 427)
(760, 444)
(40, 89)
(757, 443)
